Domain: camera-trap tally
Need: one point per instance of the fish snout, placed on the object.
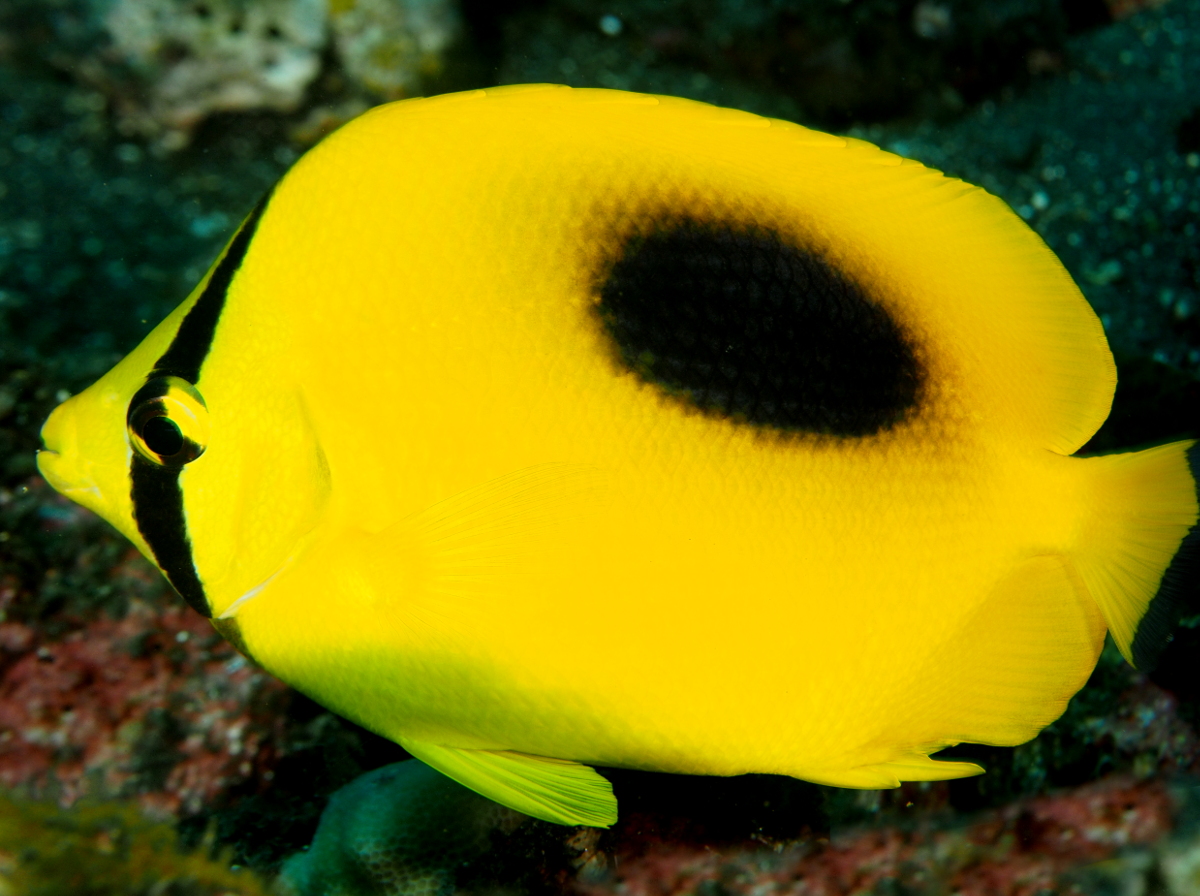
(85, 456)
(59, 460)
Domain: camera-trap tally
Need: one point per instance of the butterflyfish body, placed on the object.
(539, 429)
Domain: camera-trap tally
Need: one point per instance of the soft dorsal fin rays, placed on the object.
(555, 790)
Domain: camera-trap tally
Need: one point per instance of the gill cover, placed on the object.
(153, 478)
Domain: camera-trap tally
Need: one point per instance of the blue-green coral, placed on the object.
(401, 830)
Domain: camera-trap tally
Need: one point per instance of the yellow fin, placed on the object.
(1138, 552)
(1013, 666)
(498, 517)
(917, 767)
(472, 550)
(1001, 677)
(555, 790)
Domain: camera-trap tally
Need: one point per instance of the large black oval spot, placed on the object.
(742, 323)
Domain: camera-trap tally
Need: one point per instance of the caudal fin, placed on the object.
(1140, 552)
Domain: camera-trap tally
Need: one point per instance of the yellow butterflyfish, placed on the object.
(539, 429)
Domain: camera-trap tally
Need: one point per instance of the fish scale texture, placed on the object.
(472, 514)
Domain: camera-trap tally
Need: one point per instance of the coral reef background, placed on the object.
(134, 134)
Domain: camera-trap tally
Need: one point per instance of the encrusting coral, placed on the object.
(194, 59)
(170, 64)
(142, 699)
(1118, 829)
(386, 45)
(401, 830)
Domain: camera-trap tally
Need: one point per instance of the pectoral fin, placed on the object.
(555, 790)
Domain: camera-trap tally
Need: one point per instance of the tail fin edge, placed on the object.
(1162, 615)
(1140, 549)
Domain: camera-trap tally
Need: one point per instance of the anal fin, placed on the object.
(917, 767)
(555, 790)
(1000, 678)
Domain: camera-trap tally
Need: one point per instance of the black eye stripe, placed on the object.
(158, 511)
(155, 388)
(190, 346)
(157, 498)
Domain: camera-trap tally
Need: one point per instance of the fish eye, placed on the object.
(168, 422)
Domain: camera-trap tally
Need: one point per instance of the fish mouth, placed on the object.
(49, 464)
(56, 431)
(48, 460)
(66, 477)
(67, 482)
(44, 457)
(58, 459)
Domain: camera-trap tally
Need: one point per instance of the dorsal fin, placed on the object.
(1016, 346)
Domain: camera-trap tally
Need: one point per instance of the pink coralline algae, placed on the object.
(153, 705)
(1021, 850)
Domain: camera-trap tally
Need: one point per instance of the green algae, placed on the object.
(107, 849)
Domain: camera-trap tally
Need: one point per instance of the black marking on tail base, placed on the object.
(740, 322)
(1178, 582)
(157, 498)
